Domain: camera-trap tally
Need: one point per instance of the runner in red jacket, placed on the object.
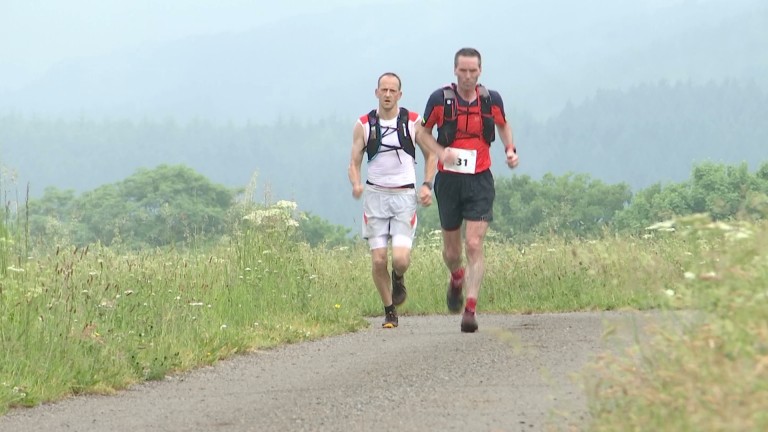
(467, 116)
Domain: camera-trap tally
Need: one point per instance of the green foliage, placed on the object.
(720, 190)
(702, 371)
(568, 206)
(163, 206)
(5, 252)
(103, 319)
(318, 231)
(428, 220)
(616, 136)
(577, 206)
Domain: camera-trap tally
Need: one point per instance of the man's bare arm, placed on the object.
(430, 168)
(356, 160)
(430, 158)
(505, 132)
(424, 139)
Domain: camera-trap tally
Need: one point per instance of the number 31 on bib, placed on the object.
(465, 161)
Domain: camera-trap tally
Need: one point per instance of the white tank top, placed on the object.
(391, 168)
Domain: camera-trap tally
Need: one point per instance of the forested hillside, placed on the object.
(651, 133)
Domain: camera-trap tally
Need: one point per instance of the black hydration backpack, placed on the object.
(446, 133)
(373, 146)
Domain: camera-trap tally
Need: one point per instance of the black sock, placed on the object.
(389, 309)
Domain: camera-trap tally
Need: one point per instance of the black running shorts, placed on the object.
(464, 197)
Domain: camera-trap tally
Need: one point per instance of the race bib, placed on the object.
(465, 161)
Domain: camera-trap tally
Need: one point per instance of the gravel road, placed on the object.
(515, 374)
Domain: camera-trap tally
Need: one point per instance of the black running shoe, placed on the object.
(468, 322)
(454, 298)
(390, 320)
(398, 289)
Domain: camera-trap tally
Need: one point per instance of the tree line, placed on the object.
(641, 135)
(172, 205)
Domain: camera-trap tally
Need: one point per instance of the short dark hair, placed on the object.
(392, 74)
(467, 52)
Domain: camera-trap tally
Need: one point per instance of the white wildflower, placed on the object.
(283, 204)
(722, 226)
(667, 225)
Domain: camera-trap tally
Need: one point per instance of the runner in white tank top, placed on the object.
(390, 191)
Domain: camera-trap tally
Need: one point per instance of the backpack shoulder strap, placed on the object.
(374, 134)
(485, 99)
(404, 132)
(402, 118)
(483, 90)
(486, 111)
(373, 126)
(449, 102)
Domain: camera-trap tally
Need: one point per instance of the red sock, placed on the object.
(471, 304)
(458, 274)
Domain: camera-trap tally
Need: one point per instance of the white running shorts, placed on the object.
(389, 213)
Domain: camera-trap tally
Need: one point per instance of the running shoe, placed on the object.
(468, 322)
(454, 297)
(399, 293)
(390, 320)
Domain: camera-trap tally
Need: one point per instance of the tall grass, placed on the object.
(96, 319)
(92, 320)
(712, 373)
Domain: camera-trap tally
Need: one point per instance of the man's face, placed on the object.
(467, 72)
(388, 92)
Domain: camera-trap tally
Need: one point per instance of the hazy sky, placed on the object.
(36, 34)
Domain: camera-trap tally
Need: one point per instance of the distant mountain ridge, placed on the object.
(328, 62)
(649, 133)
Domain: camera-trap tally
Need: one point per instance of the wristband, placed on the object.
(427, 184)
